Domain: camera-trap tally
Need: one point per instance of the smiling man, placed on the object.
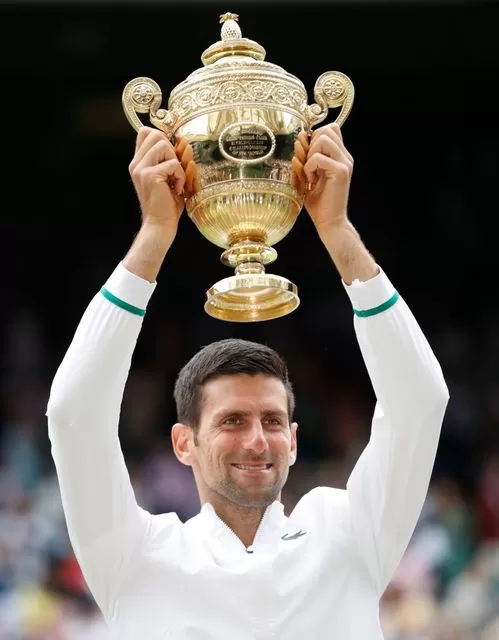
(241, 569)
(235, 403)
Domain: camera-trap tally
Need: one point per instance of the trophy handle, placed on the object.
(143, 95)
(332, 89)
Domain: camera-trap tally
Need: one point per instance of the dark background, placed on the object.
(425, 137)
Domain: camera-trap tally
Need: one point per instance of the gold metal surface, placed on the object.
(236, 124)
(251, 298)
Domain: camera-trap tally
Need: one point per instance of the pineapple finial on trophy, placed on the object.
(231, 42)
(230, 29)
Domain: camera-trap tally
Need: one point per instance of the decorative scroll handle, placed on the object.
(332, 89)
(143, 95)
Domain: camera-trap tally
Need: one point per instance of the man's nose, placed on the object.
(256, 440)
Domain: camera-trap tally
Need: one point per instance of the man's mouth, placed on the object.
(253, 466)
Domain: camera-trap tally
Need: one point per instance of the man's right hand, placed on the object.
(158, 179)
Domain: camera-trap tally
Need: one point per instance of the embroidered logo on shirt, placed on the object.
(294, 536)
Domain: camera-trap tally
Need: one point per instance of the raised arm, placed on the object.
(388, 485)
(105, 524)
(387, 488)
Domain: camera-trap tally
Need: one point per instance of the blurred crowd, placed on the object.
(446, 588)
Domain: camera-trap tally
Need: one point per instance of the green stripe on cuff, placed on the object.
(121, 303)
(379, 309)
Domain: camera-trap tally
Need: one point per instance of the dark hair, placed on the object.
(225, 358)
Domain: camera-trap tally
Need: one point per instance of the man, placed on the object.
(241, 569)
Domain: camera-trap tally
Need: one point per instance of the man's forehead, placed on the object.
(268, 393)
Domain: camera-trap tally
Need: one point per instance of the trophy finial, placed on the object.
(230, 29)
(232, 43)
(228, 16)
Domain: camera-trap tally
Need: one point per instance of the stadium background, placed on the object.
(425, 196)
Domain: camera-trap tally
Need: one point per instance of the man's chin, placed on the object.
(249, 494)
(254, 499)
(255, 504)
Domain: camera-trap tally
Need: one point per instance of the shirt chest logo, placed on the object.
(294, 536)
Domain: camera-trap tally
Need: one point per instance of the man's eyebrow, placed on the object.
(223, 413)
(244, 414)
(275, 412)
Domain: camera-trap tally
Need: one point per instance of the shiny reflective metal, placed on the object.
(240, 126)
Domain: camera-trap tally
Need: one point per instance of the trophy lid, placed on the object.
(235, 72)
(232, 43)
(235, 76)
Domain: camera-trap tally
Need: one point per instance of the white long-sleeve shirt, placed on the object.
(318, 573)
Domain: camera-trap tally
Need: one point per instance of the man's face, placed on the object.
(245, 443)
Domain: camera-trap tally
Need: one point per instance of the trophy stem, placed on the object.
(250, 295)
(248, 252)
(246, 268)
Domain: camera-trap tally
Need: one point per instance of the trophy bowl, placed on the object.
(240, 127)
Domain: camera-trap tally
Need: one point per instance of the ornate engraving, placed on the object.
(239, 187)
(142, 95)
(333, 89)
(210, 94)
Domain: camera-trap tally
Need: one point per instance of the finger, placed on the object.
(327, 146)
(333, 131)
(160, 151)
(145, 138)
(180, 145)
(191, 178)
(150, 141)
(152, 137)
(297, 175)
(187, 156)
(329, 167)
(168, 171)
(301, 149)
(303, 139)
(142, 134)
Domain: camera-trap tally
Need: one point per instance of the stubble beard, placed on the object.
(257, 498)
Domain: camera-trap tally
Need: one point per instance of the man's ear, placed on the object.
(183, 443)
(294, 446)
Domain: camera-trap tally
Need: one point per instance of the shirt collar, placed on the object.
(272, 521)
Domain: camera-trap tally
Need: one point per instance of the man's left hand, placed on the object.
(328, 168)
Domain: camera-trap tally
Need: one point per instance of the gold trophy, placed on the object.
(237, 123)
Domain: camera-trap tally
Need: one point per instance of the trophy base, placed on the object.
(251, 298)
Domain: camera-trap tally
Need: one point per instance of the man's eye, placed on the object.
(232, 420)
(273, 421)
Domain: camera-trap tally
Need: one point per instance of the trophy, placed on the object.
(240, 126)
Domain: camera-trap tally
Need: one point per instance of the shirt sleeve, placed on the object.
(105, 524)
(389, 483)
